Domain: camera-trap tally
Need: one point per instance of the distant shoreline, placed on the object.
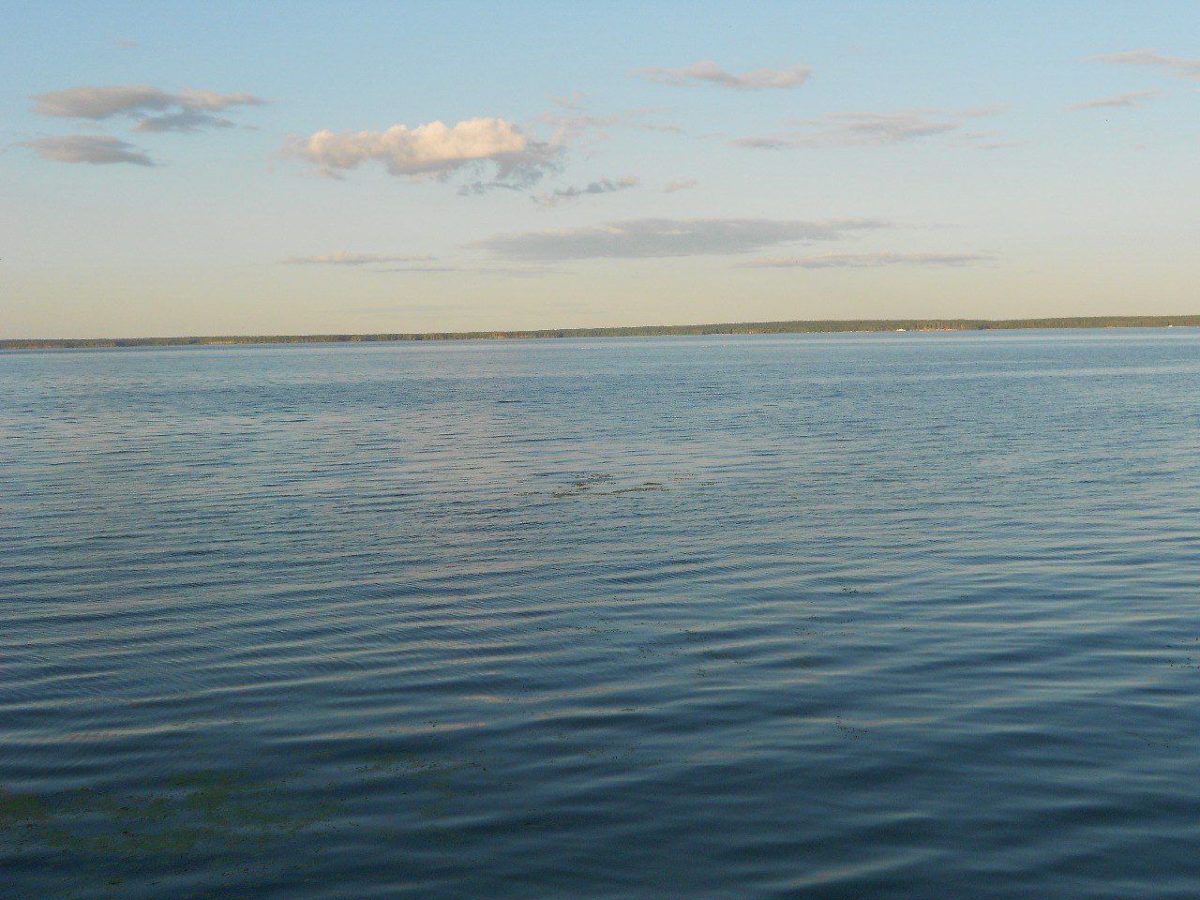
(798, 327)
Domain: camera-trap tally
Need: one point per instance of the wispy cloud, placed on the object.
(476, 188)
(88, 148)
(468, 269)
(1129, 98)
(155, 109)
(1178, 65)
(851, 129)
(185, 122)
(379, 263)
(708, 72)
(864, 260)
(393, 308)
(602, 186)
(346, 258)
(572, 123)
(435, 150)
(570, 101)
(649, 238)
(684, 184)
(985, 140)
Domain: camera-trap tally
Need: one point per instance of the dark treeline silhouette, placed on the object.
(802, 327)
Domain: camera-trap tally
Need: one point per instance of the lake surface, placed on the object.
(833, 615)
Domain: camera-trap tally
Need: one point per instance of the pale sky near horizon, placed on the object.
(221, 168)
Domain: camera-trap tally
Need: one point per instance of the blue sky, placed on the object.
(252, 168)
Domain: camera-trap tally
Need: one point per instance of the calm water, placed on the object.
(889, 615)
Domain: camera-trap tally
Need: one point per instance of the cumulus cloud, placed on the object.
(603, 186)
(683, 184)
(345, 258)
(864, 260)
(88, 148)
(1129, 98)
(435, 150)
(709, 72)
(851, 129)
(649, 238)
(1178, 65)
(153, 108)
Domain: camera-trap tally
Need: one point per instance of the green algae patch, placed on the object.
(20, 809)
(208, 813)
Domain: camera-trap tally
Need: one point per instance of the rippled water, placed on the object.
(888, 615)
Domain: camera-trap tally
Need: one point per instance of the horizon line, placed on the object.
(798, 326)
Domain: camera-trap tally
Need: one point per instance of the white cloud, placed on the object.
(649, 238)
(1184, 68)
(188, 110)
(602, 186)
(851, 129)
(434, 150)
(709, 72)
(88, 148)
(345, 258)
(1129, 98)
(683, 184)
(864, 260)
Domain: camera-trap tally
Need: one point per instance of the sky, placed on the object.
(252, 168)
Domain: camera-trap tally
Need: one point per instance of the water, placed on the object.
(886, 615)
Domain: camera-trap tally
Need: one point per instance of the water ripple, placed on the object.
(733, 616)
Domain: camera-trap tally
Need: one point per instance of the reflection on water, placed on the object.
(891, 615)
